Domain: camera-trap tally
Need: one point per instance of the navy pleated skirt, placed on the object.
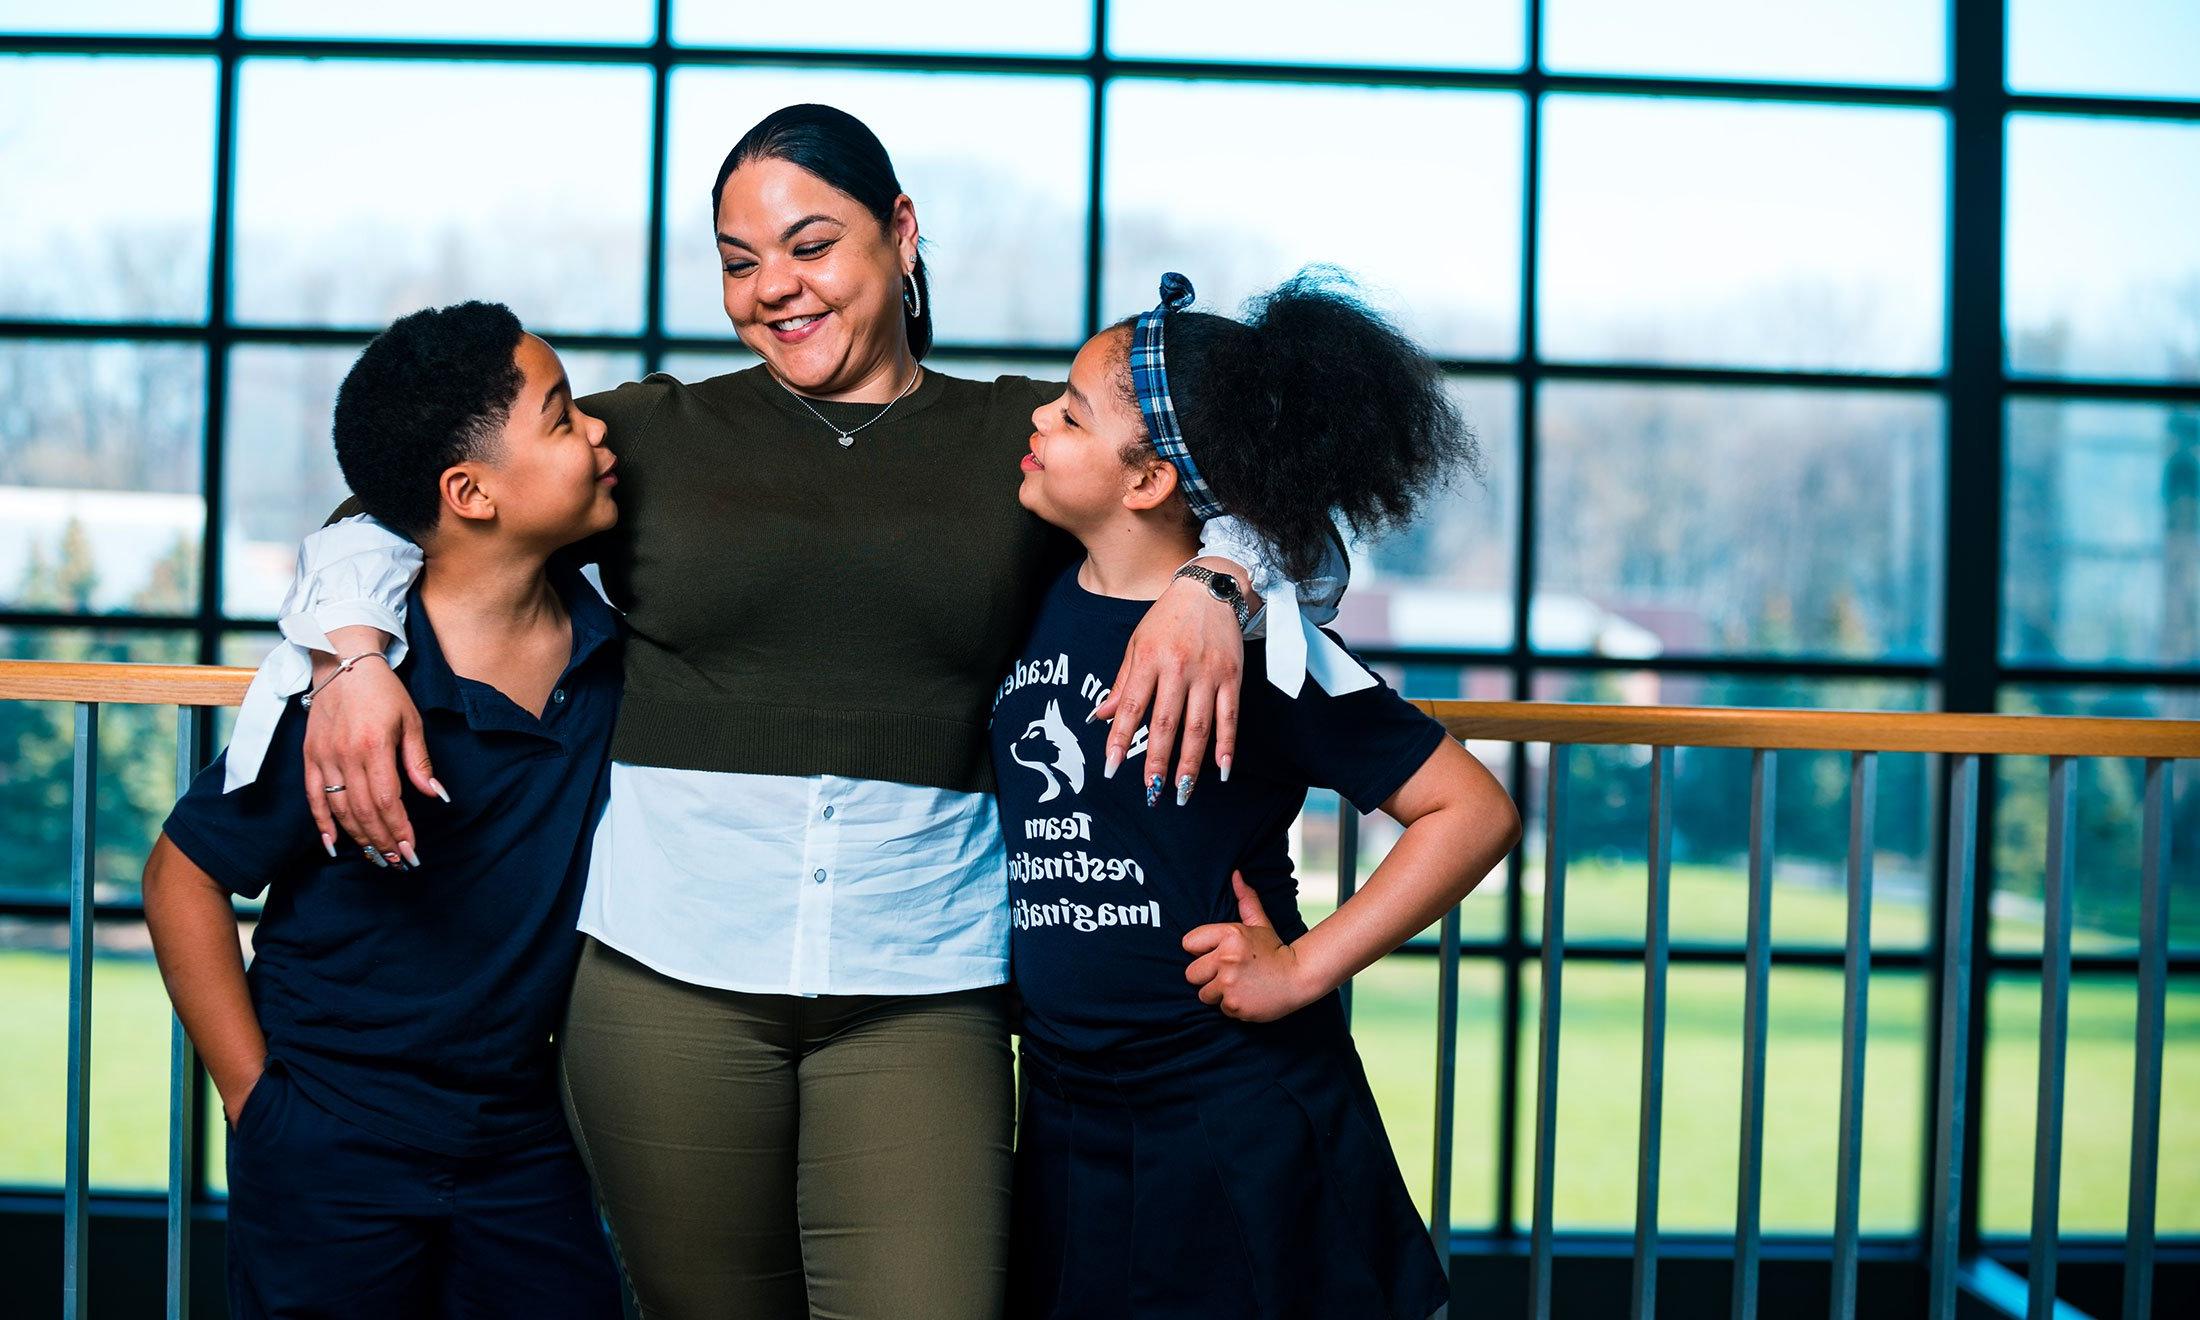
(1250, 1181)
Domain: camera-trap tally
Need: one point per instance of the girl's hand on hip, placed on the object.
(1180, 675)
(361, 731)
(1244, 968)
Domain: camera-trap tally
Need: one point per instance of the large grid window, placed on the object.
(1840, 353)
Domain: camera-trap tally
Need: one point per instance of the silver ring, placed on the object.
(332, 788)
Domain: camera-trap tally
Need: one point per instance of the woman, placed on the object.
(786, 1055)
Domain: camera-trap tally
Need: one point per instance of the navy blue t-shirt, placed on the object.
(421, 1004)
(1103, 888)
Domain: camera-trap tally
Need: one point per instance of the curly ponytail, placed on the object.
(1313, 409)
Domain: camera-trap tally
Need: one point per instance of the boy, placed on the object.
(396, 1143)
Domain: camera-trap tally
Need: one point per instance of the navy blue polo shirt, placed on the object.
(1102, 887)
(421, 1004)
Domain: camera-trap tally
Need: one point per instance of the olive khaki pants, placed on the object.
(771, 1157)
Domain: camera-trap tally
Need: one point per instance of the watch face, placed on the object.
(1221, 587)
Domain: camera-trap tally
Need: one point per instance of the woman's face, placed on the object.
(812, 280)
(1074, 476)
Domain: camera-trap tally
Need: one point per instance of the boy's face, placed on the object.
(1074, 476)
(552, 477)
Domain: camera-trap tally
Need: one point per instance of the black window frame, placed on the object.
(1974, 386)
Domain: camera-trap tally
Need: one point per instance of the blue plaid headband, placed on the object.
(1150, 380)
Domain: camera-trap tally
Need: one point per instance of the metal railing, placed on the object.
(1963, 739)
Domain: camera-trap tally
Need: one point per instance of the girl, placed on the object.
(1198, 1138)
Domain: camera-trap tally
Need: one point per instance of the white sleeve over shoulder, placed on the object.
(1292, 613)
(355, 571)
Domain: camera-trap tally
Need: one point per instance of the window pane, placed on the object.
(128, 1137)
(1029, 27)
(1853, 480)
(1444, 167)
(2106, 47)
(1469, 34)
(1724, 233)
(1599, 1090)
(1394, 1029)
(137, 765)
(1608, 800)
(2103, 259)
(2109, 796)
(1002, 211)
(281, 475)
(100, 476)
(2096, 1163)
(2101, 533)
(109, 164)
(184, 18)
(1447, 580)
(487, 20)
(693, 367)
(1852, 41)
(368, 189)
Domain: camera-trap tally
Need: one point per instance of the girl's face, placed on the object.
(1074, 476)
(812, 281)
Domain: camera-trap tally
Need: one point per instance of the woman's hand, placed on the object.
(361, 728)
(1244, 968)
(1180, 673)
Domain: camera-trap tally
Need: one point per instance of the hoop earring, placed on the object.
(912, 296)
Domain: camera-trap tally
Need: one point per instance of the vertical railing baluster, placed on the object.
(1950, 1137)
(1447, 1088)
(1855, 1016)
(83, 869)
(2054, 1045)
(1649, 1141)
(1348, 876)
(1756, 976)
(1546, 1050)
(183, 1108)
(2146, 1081)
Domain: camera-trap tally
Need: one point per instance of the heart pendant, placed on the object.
(846, 440)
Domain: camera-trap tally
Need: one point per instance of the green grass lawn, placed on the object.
(1394, 1020)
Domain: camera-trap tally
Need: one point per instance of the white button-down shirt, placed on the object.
(800, 884)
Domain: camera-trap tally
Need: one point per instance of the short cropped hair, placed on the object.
(432, 390)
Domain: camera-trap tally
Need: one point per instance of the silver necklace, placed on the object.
(848, 437)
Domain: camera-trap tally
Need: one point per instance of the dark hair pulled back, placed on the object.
(1314, 408)
(841, 150)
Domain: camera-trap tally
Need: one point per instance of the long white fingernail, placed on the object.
(440, 792)
(328, 841)
(405, 846)
(1224, 762)
(1092, 715)
(374, 855)
(1183, 789)
(1114, 763)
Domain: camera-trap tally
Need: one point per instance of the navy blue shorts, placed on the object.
(328, 1219)
(1254, 1184)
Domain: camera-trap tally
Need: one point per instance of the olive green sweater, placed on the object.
(800, 608)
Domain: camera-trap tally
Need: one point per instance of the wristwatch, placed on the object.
(1221, 586)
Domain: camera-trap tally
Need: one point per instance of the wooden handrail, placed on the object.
(1827, 730)
(123, 684)
(1495, 721)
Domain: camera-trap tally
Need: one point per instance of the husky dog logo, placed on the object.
(1048, 747)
